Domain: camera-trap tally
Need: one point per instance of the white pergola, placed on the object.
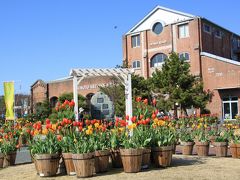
(122, 74)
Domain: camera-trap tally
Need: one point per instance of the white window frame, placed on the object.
(136, 61)
(230, 101)
(157, 64)
(185, 29)
(186, 60)
(209, 32)
(136, 40)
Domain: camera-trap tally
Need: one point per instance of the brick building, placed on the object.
(212, 51)
(51, 90)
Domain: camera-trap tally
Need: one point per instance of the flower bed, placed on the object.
(86, 146)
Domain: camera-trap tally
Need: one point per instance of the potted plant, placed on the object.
(235, 143)
(163, 139)
(202, 143)
(187, 141)
(115, 141)
(144, 135)
(221, 144)
(1, 154)
(9, 149)
(131, 151)
(101, 146)
(45, 150)
(83, 153)
(66, 144)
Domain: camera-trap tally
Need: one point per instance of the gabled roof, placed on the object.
(40, 81)
(156, 9)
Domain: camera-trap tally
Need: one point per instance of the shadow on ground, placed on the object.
(183, 161)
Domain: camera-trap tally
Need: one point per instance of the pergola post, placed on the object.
(128, 96)
(124, 75)
(75, 96)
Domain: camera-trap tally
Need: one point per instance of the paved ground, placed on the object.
(183, 167)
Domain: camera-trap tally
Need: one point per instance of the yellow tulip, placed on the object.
(44, 131)
(96, 125)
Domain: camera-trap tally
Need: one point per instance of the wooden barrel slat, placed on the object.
(84, 164)
(131, 159)
(67, 157)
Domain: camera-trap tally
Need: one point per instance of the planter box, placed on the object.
(47, 164)
(162, 156)
(187, 148)
(131, 159)
(102, 161)
(202, 148)
(220, 149)
(84, 164)
(67, 157)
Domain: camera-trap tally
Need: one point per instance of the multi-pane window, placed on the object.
(135, 40)
(207, 28)
(230, 107)
(183, 30)
(218, 33)
(158, 59)
(136, 64)
(184, 56)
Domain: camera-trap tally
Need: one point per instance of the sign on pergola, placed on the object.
(123, 75)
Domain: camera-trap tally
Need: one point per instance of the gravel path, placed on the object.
(183, 167)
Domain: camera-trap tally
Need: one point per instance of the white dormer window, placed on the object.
(136, 64)
(183, 31)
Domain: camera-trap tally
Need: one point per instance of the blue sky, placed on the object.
(44, 39)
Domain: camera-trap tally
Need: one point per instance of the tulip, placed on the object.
(145, 101)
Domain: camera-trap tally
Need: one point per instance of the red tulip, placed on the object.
(127, 117)
(154, 102)
(75, 123)
(145, 101)
(138, 99)
(47, 121)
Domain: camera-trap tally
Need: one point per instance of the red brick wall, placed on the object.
(219, 75)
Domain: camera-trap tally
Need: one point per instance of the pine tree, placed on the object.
(178, 86)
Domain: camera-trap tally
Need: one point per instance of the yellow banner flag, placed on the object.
(9, 99)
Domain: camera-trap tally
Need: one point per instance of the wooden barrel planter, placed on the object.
(146, 158)
(67, 157)
(1, 160)
(84, 164)
(102, 161)
(233, 150)
(162, 156)
(47, 164)
(187, 148)
(116, 158)
(9, 159)
(220, 149)
(131, 159)
(202, 148)
(35, 164)
(238, 150)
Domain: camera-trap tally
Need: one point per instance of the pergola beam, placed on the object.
(124, 75)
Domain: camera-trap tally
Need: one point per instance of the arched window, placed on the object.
(158, 59)
(136, 64)
(184, 56)
(53, 101)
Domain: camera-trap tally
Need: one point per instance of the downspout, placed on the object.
(148, 70)
(200, 45)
